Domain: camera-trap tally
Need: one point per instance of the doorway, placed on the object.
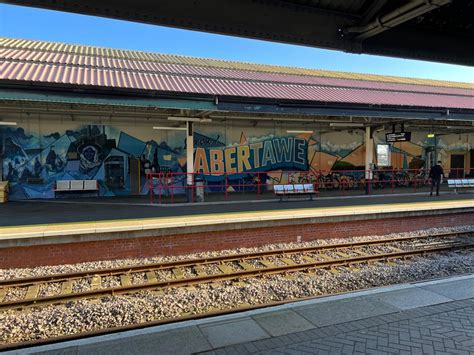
(114, 172)
(471, 166)
(457, 166)
(135, 178)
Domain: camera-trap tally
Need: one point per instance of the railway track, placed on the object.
(60, 288)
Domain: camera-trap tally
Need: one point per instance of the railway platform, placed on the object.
(432, 317)
(37, 233)
(85, 210)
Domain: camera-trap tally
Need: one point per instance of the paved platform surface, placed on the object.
(435, 317)
(19, 213)
(22, 220)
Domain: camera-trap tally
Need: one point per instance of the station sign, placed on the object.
(398, 137)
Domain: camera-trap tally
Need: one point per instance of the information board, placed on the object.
(397, 137)
(383, 155)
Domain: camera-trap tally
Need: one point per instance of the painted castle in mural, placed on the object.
(119, 161)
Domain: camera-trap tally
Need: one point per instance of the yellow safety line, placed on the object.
(219, 217)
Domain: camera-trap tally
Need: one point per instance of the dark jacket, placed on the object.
(436, 171)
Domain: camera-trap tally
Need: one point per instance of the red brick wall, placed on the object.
(54, 254)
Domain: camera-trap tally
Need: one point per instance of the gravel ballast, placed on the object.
(83, 316)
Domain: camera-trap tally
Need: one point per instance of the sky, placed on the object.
(46, 25)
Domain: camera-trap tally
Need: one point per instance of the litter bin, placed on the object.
(3, 191)
(199, 189)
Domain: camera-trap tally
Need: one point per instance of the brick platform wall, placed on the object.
(54, 254)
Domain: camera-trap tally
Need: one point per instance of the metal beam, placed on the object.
(412, 9)
(345, 111)
(304, 23)
(8, 94)
(279, 21)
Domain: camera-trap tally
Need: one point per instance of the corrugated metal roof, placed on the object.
(187, 83)
(178, 69)
(137, 56)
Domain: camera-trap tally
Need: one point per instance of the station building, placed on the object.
(72, 112)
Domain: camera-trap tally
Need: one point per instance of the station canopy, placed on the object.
(436, 30)
(32, 67)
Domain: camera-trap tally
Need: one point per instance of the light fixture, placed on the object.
(296, 131)
(346, 124)
(189, 119)
(170, 128)
(5, 123)
(430, 135)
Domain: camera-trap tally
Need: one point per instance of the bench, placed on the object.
(294, 189)
(460, 184)
(76, 186)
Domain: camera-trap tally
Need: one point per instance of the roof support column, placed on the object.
(369, 158)
(189, 158)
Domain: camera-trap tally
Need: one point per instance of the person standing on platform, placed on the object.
(436, 174)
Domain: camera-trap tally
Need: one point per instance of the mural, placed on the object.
(32, 163)
(265, 155)
(119, 157)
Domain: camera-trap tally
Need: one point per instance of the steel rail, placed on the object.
(124, 328)
(242, 274)
(20, 282)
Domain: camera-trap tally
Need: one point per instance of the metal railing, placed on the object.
(173, 184)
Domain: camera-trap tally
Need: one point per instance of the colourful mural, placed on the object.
(119, 157)
(265, 155)
(32, 163)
